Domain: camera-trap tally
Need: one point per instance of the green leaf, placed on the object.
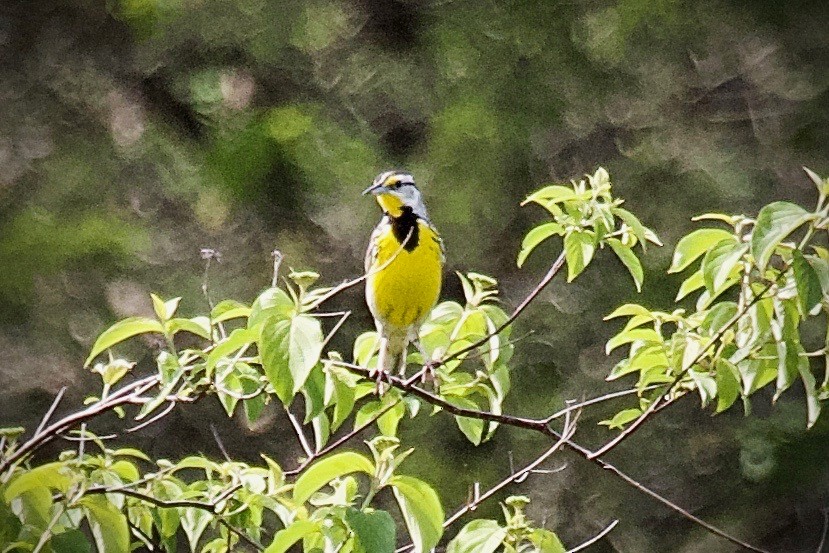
(720, 265)
(812, 402)
(621, 418)
(323, 471)
(821, 184)
(690, 284)
(809, 291)
(229, 309)
(546, 542)
(284, 539)
(50, 476)
(70, 541)
(194, 522)
(122, 330)
(289, 350)
(421, 511)
(375, 530)
(774, 223)
(9, 523)
(473, 429)
(535, 237)
(236, 340)
(695, 244)
(550, 195)
(632, 221)
(578, 251)
(728, 384)
(108, 524)
(273, 303)
(629, 259)
(479, 536)
(197, 325)
(637, 334)
(628, 310)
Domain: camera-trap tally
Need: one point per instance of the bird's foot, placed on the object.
(379, 376)
(429, 374)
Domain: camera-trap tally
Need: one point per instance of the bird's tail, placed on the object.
(393, 353)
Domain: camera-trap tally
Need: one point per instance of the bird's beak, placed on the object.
(373, 189)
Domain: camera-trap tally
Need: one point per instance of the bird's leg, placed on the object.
(379, 370)
(429, 374)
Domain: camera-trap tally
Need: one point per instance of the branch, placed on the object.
(339, 442)
(211, 507)
(551, 273)
(124, 396)
(664, 396)
(567, 432)
(595, 538)
(303, 441)
(540, 425)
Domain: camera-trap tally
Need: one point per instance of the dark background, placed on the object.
(134, 132)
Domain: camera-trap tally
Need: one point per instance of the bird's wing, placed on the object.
(371, 251)
(439, 241)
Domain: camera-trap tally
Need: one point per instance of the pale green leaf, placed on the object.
(323, 471)
(284, 539)
(50, 476)
(122, 330)
(546, 542)
(690, 284)
(535, 237)
(552, 194)
(721, 265)
(629, 259)
(628, 310)
(578, 251)
(479, 536)
(812, 402)
(774, 223)
(695, 244)
(197, 325)
(622, 418)
(108, 524)
(421, 509)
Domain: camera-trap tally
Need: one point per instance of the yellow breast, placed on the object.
(403, 286)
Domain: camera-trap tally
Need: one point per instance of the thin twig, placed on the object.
(344, 316)
(478, 498)
(123, 396)
(219, 443)
(665, 395)
(245, 537)
(595, 538)
(825, 529)
(551, 273)
(209, 254)
(600, 399)
(51, 410)
(339, 441)
(160, 415)
(303, 441)
(534, 293)
(354, 282)
(539, 425)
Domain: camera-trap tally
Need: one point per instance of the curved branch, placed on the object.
(541, 425)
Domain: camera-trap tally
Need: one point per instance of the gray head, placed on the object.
(396, 190)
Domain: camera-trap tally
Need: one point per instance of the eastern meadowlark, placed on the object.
(404, 265)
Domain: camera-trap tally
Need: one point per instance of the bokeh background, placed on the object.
(135, 132)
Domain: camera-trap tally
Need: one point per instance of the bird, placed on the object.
(404, 269)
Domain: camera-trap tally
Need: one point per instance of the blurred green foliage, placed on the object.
(134, 132)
